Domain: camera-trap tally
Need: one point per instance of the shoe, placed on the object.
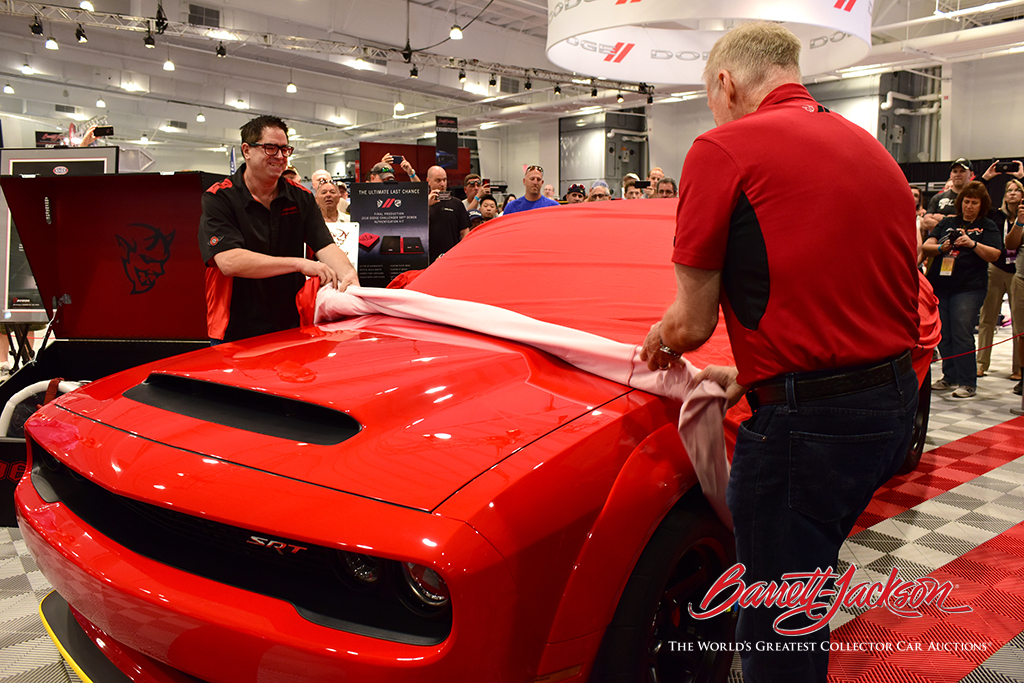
(1018, 387)
(964, 392)
(943, 385)
(1015, 377)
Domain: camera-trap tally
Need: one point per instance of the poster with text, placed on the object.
(393, 232)
(447, 142)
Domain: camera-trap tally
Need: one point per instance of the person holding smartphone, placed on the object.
(403, 163)
(447, 218)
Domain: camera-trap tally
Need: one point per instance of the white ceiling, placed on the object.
(313, 42)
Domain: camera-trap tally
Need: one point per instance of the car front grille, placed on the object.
(310, 577)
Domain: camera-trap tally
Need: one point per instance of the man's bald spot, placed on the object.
(435, 172)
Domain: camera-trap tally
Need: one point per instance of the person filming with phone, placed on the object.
(447, 218)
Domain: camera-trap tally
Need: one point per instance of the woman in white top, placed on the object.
(345, 235)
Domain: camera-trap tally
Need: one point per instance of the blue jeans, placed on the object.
(802, 473)
(957, 313)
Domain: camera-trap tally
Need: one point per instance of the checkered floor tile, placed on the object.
(959, 518)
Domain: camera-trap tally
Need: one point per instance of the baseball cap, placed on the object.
(475, 215)
(578, 188)
(961, 162)
(382, 170)
(599, 183)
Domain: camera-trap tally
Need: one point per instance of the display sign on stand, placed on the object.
(393, 234)
(22, 302)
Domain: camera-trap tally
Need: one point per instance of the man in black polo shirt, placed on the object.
(253, 234)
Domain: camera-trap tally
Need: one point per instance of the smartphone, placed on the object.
(103, 131)
(397, 160)
(487, 181)
(444, 196)
(642, 184)
(1006, 166)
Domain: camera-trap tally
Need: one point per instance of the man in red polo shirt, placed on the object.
(821, 342)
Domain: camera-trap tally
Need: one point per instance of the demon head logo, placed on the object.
(144, 251)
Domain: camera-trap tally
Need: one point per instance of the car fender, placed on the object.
(654, 477)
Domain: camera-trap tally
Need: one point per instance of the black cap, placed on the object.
(961, 162)
(576, 187)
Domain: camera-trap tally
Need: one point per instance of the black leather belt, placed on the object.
(812, 386)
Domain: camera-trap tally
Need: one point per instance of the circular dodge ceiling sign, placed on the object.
(667, 41)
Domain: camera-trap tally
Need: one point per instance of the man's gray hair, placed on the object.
(752, 52)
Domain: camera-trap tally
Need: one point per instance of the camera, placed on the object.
(103, 131)
(642, 184)
(444, 196)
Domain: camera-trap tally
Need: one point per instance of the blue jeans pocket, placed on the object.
(833, 476)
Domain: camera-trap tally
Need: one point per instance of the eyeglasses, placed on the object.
(271, 150)
(322, 181)
(534, 168)
(382, 170)
(600, 195)
(473, 183)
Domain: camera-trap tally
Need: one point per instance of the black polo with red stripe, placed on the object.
(807, 282)
(238, 307)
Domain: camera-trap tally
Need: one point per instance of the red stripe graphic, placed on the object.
(616, 55)
(623, 2)
(611, 56)
(388, 203)
(625, 51)
(839, 4)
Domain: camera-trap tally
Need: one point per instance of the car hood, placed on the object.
(431, 407)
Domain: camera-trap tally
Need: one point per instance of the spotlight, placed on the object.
(51, 44)
(619, 98)
(200, 118)
(221, 50)
(407, 53)
(101, 103)
(168, 65)
(593, 93)
(650, 98)
(558, 90)
(8, 89)
(455, 33)
(494, 80)
(528, 85)
(27, 70)
(80, 34)
(161, 19)
(36, 26)
(291, 89)
(87, 6)
(414, 72)
(148, 41)
(462, 75)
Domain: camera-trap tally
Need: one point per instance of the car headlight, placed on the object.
(426, 585)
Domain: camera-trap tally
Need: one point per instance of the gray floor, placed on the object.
(994, 502)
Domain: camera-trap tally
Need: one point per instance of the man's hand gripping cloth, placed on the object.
(700, 420)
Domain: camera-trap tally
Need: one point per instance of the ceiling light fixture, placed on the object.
(148, 41)
(619, 98)
(462, 75)
(221, 50)
(291, 88)
(144, 139)
(168, 65)
(36, 27)
(8, 89)
(558, 90)
(455, 33)
(51, 44)
(80, 34)
(240, 104)
(200, 117)
(650, 98)
(399, 106)
(528, 85)
(101, 103)
(593, 93)
(87, 6)
(27, 70)
(414, 72)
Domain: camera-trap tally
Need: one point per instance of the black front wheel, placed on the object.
(652, 637)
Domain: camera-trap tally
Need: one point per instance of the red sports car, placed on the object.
(389, 500)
